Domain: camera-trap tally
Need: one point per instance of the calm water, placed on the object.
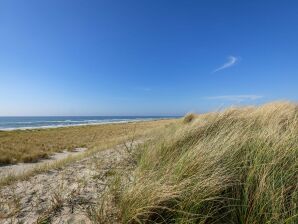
(12, 123)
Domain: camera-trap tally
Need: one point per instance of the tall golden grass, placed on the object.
(235, 166)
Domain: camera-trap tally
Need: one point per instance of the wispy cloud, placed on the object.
(231, 61)
(237, 98)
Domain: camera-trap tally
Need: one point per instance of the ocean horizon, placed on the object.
(9, 123)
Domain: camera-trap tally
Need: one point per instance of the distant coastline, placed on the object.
(28, 123)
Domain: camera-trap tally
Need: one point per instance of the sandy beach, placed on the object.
(64, 195)
(68, 184)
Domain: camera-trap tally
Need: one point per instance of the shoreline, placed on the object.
(39, 143)
(84, 124)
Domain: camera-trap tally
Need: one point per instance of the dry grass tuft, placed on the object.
(188, 118)
(235, 166)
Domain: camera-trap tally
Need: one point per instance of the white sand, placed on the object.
(24, 167)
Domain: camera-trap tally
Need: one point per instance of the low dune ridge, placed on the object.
(29, 146)
(235, 166)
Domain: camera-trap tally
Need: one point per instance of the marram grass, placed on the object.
(235, 166)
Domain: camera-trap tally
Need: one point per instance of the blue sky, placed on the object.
(141, 57)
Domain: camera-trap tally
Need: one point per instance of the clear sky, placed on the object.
(145, 57)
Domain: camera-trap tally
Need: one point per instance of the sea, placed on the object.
(22, 123)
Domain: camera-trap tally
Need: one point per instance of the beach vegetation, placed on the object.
(239, 165)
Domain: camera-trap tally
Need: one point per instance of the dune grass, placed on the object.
(235, 166)
(32, 145)
(189, 118)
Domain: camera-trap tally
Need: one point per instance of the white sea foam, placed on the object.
(80, 123)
